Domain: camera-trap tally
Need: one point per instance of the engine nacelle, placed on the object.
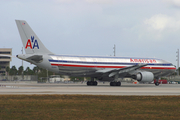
(144, 76)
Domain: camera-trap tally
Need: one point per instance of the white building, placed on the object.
(5, 60)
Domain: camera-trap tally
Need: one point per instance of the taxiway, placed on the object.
(81, 88)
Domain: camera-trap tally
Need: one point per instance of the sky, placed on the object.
(138, 28)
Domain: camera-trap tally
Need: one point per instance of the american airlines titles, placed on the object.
(143, 60)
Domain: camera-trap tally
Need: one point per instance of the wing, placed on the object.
(114, 71)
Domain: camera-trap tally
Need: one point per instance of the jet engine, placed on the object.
(144, 76)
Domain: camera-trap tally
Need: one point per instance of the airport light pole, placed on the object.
(22, 67)
(177, 62)
(114, 50)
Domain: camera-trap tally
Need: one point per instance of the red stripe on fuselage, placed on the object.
(90, 66)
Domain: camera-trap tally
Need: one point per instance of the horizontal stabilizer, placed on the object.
(7, 55)
(36, 58)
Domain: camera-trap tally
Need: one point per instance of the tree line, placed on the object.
(40, 72)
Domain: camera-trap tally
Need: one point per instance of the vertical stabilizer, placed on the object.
(30, 40)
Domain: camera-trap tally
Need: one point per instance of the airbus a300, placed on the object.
(97, 67)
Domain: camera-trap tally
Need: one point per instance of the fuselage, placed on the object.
(87, 65)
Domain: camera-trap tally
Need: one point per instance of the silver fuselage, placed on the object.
(87, 66)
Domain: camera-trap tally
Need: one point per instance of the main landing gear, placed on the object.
(92, 82)
(114, 83)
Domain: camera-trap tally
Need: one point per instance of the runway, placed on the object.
(82, 89)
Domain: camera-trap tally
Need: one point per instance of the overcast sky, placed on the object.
(138, 28)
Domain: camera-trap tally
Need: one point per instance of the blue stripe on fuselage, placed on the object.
(110, 63)
(103, 57)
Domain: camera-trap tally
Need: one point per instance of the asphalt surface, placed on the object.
(83, 89)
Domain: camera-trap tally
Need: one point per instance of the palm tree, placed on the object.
(20, 70)
(13, 70)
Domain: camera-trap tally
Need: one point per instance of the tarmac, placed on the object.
(82, 89)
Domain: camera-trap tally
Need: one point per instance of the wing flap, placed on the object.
(113, 71)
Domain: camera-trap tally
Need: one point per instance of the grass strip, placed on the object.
(89, 107)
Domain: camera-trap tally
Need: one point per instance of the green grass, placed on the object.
(89, 107)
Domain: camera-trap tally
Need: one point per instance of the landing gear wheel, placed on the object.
(118, 84)
(157, 83)
(88, 82)
(94, 83)
(111, 83)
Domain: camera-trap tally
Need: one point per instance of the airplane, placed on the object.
(102, 68)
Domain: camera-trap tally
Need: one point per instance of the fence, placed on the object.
(19, 78)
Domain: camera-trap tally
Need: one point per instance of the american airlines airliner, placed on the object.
(100, 68)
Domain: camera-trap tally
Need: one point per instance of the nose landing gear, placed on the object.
(156, 83)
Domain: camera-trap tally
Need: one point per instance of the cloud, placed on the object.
(160, 22)
(174, 2)
(159, 27)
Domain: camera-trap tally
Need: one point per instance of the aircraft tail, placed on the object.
(30, 40)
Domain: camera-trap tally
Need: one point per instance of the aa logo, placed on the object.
(31, 42)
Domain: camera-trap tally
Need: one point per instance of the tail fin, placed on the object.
(30, 40)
